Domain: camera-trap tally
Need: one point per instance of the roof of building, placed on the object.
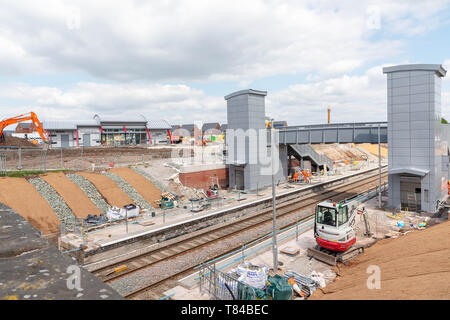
(25, 125)
(246, 91)
(417, 67)
(68, 125)
(33, 269)
(158, 124)
(210, 125)
(127, 118)
(409, 170)
(59, 125)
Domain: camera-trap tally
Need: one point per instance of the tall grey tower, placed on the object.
(246, 114)
(416, 143)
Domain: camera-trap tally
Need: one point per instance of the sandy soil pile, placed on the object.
(373, 149)
(342, 152)
(18, 142)
(20, 195)
(108, 189)
(413, 266)
(142, 185)
(74, 197)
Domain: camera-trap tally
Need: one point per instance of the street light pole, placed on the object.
(274, 226)
(379, 167)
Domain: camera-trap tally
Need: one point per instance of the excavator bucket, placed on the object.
(322, 256)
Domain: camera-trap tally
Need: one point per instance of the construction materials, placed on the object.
(254, 276)
(278, 288)
(128, 211)
(167, 201)
(307, 285)
(290, 251)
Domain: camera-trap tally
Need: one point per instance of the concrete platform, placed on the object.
(32, 269)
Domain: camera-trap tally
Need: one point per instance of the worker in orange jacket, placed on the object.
(295, 176)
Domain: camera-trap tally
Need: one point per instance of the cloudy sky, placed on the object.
(176, 59)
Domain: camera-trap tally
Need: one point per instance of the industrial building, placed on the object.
(107, 131)
(417, 140)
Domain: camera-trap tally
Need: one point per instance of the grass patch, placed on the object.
(27, 173)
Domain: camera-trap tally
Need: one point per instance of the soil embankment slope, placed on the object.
(21, 196)
(142, 185)
(108, 189)
(414, 266)
(74, 197)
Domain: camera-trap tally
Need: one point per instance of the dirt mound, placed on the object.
(145, 188)
(108, 189)
(342, 152)
(20, 195)
(18, 142)
(414, 266)
(75, 198)
(373, 149)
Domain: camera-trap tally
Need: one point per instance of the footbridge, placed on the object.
(299, 138)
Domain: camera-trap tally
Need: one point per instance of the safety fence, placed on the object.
(84, 158)
(222, 286)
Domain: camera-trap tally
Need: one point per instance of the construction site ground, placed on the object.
(351, 152)
(414, 263)
(165, 218)
(413, 266)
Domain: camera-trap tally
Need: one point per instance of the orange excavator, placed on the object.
(24, 117)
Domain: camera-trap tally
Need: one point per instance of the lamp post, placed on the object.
(379, 167)
(274, 209)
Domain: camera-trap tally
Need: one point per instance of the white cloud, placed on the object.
(209, 41)
(176, 103)
(356, 98)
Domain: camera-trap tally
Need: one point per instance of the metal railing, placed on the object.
(223, 286)
(305, 150)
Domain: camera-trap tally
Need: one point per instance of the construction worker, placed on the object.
(305, 176)
(295, 176)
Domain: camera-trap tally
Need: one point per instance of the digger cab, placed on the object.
(332, 228)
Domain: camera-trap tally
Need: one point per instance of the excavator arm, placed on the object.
(24, 117)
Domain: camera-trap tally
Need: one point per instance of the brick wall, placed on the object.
(202, 179)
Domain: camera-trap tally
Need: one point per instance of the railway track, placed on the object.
(287, 215)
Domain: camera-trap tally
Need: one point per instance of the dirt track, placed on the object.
(75, 198)
(108, 189)
(142, 185)
(414, 266)
(21, 196)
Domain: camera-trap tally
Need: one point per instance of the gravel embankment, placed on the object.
(56, 202)
(155, 182)
(90, 190)
(129, 190)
